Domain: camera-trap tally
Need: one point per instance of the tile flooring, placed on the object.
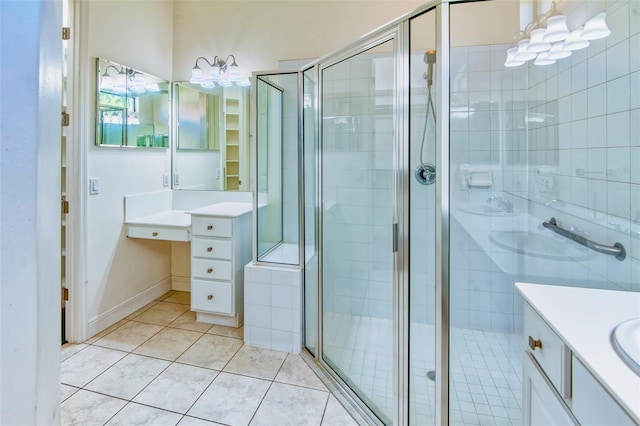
(486, 369)
(160, 367)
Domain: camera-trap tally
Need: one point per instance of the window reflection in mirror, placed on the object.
(132, 107)
(211, 130)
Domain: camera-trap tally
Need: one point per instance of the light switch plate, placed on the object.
(165, 179)
(176, 179)
(94, 186)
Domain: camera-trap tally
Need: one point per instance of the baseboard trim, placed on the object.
(108, 318)
(180, 283)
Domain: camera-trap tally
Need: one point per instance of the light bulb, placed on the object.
(214, 72)
(522, 54)
(543, 59)
(511, 61)
(208, 84)
(575, 40)
(558, 51)
(244, 82)
(106, 83)
(556, 29)
(536, 44)
(225, 83)
(596, 28)
(196, 75)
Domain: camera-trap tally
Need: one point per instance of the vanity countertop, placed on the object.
(223, 209)
(171, 218)
(585, 319)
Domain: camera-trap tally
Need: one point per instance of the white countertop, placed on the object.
(172, 218)
(585, 318)
(223, 209)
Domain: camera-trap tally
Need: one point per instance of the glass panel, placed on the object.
(357, 202)
(278, 169)
(268, 175)
(530, 142)
(310, 126)
(423, 99)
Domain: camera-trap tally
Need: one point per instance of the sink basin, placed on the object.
(486, 209)
(626, 340)
(537, 245)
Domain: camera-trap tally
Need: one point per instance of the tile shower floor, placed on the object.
(486, 369)
(160, 367)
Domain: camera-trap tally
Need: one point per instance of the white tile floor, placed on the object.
(486, 369)
(161, 367)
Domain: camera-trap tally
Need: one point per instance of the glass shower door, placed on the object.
(357, 213)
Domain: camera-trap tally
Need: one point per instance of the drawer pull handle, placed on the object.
(154, 234)
(209, 249)
(209, 227)
(209, 270)
(210, 297)
(533, 343)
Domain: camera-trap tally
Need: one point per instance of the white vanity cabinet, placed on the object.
(571, 373)
(546, 374)
(220, 247)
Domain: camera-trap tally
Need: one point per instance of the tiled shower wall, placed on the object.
(591, 147)
(561, 141)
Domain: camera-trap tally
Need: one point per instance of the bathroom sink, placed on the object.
(536, 245)
(626, 340)
(484, 209)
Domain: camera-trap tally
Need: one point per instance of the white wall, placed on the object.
(137, 34)
(30, 199)
(260, 33)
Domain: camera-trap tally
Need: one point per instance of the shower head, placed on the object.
(430, 59)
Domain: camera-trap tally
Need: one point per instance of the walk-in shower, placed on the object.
(405, 283)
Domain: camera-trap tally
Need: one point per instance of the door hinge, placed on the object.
(65, 293)
(65, 119)
(66, 33)
(65, 207)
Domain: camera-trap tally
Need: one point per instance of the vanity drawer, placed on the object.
(211, 269)
(211, 296)
(211, 226)
(158, 233)
(208, 247)
(548, 350)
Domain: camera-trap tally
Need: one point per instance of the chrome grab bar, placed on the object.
(616, 250)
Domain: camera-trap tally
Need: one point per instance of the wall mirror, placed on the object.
(132, 107)
(211, 128)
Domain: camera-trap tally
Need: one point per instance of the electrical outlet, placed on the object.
(217, 173)
(94, 186)
(176, 179)
(165, 179)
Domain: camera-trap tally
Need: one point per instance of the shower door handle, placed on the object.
(394, 237)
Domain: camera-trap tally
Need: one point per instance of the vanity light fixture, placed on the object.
(126, 79)
(547, 38)
(218, 71)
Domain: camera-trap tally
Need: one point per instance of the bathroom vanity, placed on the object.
(220, 235)
(220, 247)
(573, 375)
